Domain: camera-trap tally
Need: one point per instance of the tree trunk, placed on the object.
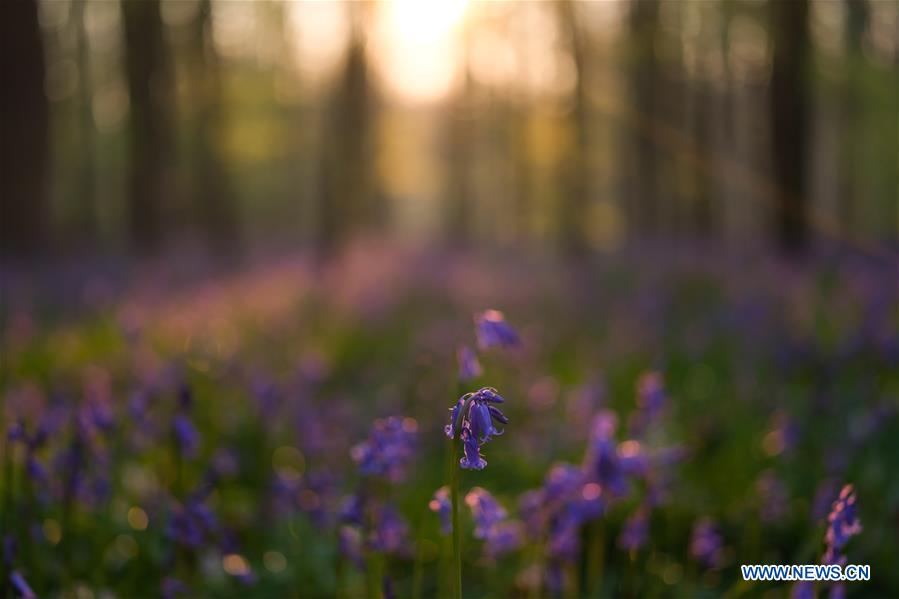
(24, 114)
(575, 173)
(644, 23)
(87, 216)
(212, 193)
(149, 87)
(347, 194)
(789, 97)
(855, 24)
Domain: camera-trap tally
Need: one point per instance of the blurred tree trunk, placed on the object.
(24, 114)
(215, 203)
(702, 109)
(575, 170)
(789, 98)
(644, 25)
(857, 14)
(460, 134)
(87, 183)
(149, 88)
(699, 86)
(347, 194)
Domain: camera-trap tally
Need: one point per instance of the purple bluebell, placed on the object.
(469, 367)
(192, 523)
(602, 461)
(561, 481)
(493, 331)
(636, 530)
(471, 456)
(352, 509)
(388, 449)
(842, 524)
(650, 401)
(20, 585)
(803, 590)
(564, 535)
(485, 510)
(441, 505)
(350, 545)
(389, 530)
(706, 543)
(503, 537)
(825, 494)
(186, 435)
(473, 418)
(531, 506)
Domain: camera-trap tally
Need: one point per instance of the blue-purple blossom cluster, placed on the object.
(388, 449)
(493, 331)
(842, 525)
(473, 420)
(492, 524)
(441, 505)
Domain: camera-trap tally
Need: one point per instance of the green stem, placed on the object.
(457, 529)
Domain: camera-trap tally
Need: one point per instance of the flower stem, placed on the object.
(457, 529)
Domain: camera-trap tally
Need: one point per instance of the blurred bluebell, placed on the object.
(602, 462)
(388, 449)
(441, 505)
(705, 543)
(473, 417)
(186, 435)
(503, 537)
(469, 367)
(842, 524)
(493, 331)
(389, 530)
(636, 530)
(20, 585)
(350, 545)
(485, 510)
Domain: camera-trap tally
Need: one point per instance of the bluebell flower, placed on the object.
(441, 505)
(531, 506)
(636, 530)
(485, 510)
(561, 481)
(564, 535)
(650, 400)
(471, 458)
(706, 543)
(389, 530)
(352, 509)
(20, 585)
(186, 435)
(388, 449)
(842, 524)
(192, 523)
(503, 537)
(493, 331)
(602, 461)
(350, 545)
(469, 367)
(803, 590)
(473, 418)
